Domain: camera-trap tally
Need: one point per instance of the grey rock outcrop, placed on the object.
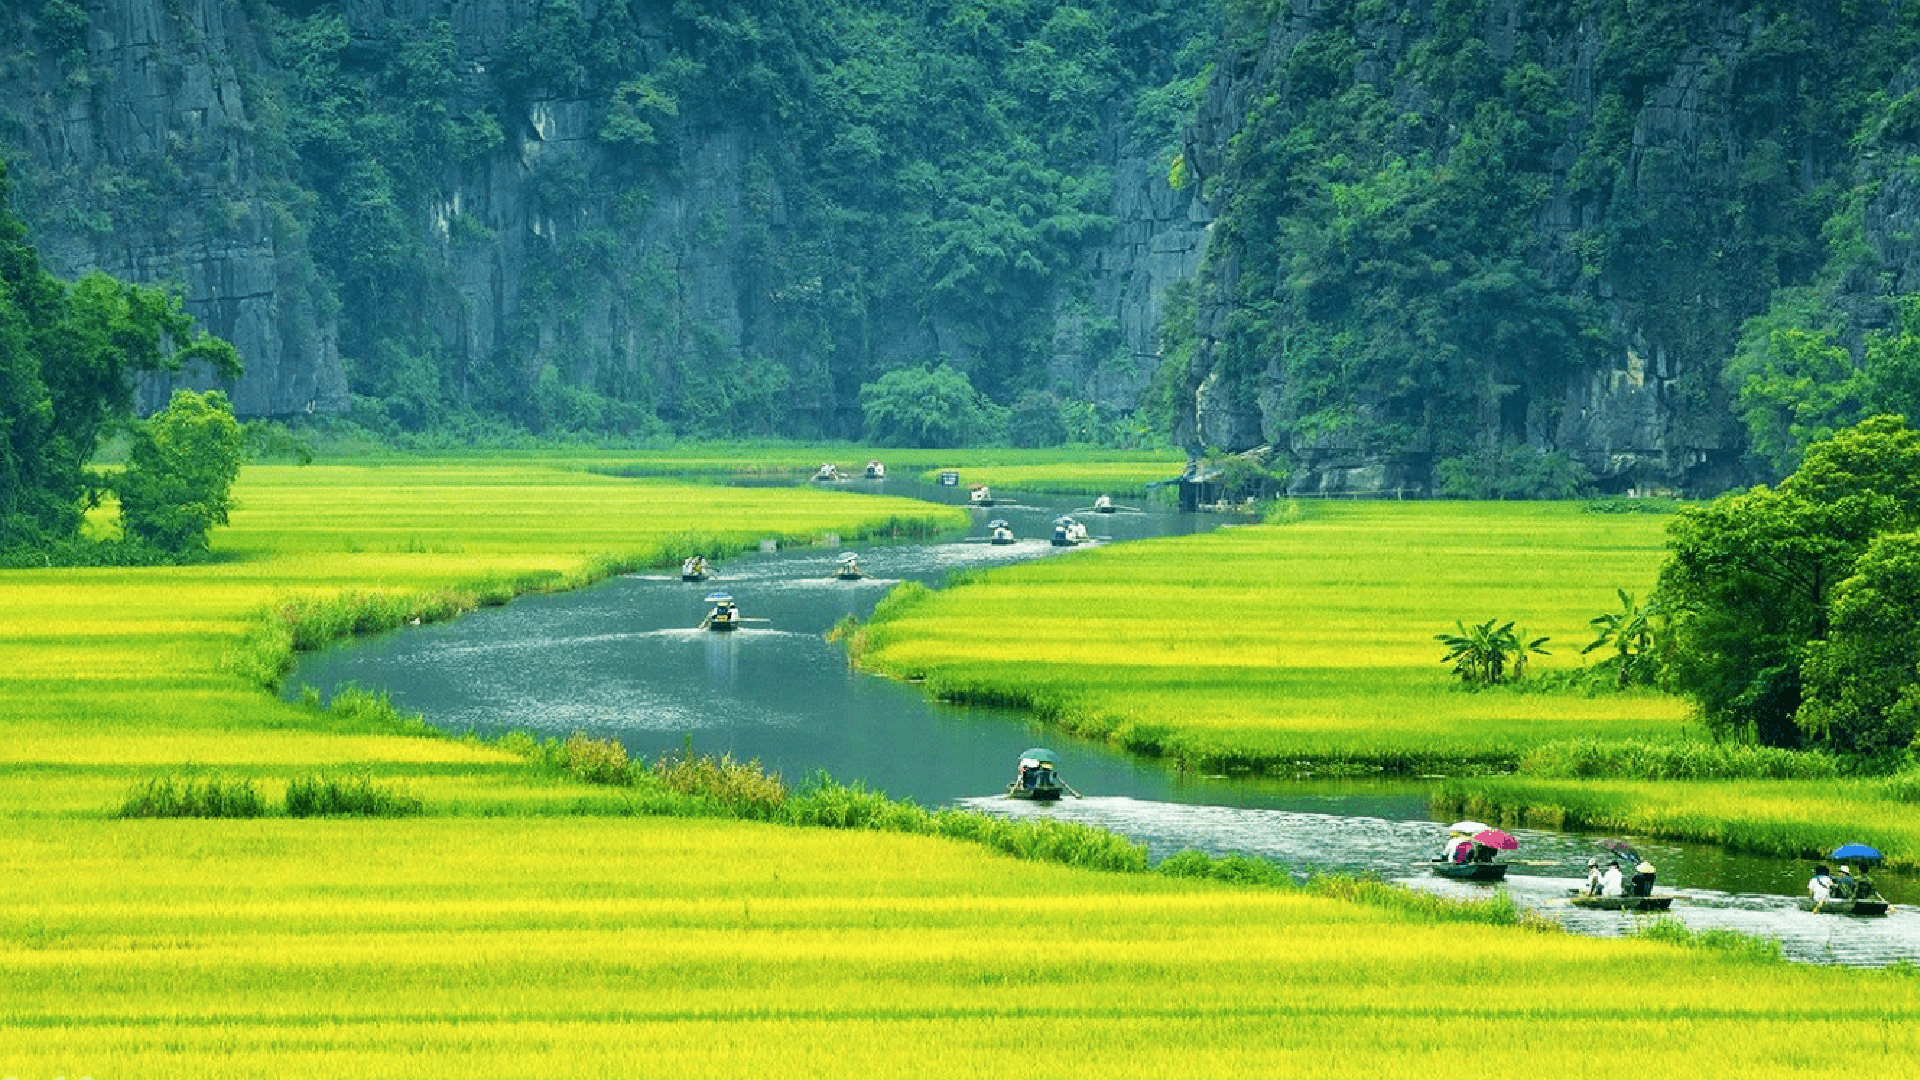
(136, 156)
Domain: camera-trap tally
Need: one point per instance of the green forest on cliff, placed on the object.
(940, 157)
(1445, 232)
(1439, 216)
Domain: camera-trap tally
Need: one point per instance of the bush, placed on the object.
(353, 795)
(597, 761)
(207, 797)
(179, 477)
(741, 787)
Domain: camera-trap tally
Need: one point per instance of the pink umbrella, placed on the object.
(1494, 838)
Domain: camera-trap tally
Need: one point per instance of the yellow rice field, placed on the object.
(542, 947)
(526, 928)
(1309, 640)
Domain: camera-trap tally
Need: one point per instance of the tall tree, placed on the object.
(1749, 579)
(68, 355)
(180, 473)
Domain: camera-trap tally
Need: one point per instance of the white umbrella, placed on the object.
(1468, 827)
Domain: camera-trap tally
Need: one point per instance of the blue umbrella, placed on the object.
(1854, 851)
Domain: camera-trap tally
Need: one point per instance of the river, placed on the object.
(625, 658)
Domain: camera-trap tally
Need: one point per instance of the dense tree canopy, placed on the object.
(180, 472)
(1752, 580)
(931, 406)
(68, 355)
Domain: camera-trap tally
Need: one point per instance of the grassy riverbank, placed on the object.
(525, 924)
(110, 670)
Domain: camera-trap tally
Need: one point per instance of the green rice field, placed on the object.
(528, 926)
(1310, 642)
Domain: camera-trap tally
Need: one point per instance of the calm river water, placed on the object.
(625, 659)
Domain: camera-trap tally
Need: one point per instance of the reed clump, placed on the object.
(597, 761)
(348, 795)
(742, 788)
(1719, 939)
(193, 797)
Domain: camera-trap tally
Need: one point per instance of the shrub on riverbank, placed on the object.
(349, 795)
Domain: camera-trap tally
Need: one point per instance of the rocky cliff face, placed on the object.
(135, 155)
(1687, 178)
(660, 276)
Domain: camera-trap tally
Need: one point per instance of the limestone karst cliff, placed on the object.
(609, 214)
(1414, 238)
(1452, 232)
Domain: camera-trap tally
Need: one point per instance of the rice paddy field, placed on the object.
(527, 926)
(1311, 641)
(540, 947)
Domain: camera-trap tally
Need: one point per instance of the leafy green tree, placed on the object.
(1800, 388)
(1749, 578)
(1512, 470)
(179, 477)
(1891, 371)
(927, 407)
(68, 355)
(1862, 683)
(1488, 655)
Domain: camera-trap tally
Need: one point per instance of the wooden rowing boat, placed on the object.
(1864, 908)
(1471, 871)
(1623, 903)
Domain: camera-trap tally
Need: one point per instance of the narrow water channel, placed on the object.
(626, 659)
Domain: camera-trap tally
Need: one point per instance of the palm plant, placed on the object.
(1634, 634)
(1486, 655)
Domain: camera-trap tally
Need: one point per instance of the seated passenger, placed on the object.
(1843, 884)
(1820, 885)
(1610, 881)
(1643, 875)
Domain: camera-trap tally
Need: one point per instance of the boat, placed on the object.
(827, 473)
(999, 532)
(1471, 871)
(875, 470)
(980, 495)
(949, 478)
(725, 614)
(1855, 892)
(1038, 777)
(695, 569)
(1869, 907)
(848, 567)
(1623, 903)
(1469, 855)
(1067, 532)
(1103, 505)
